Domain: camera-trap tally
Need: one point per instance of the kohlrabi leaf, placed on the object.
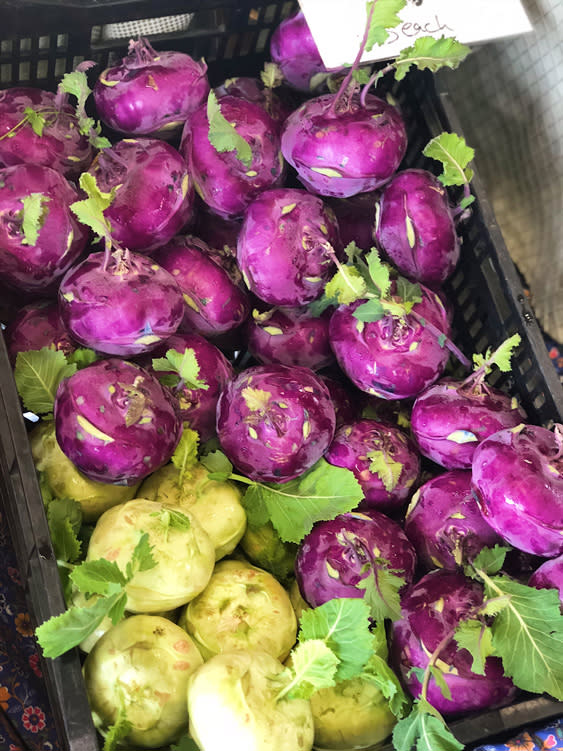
(488, 560)
(313, 666)
(38, 373)
(34, 213)
(271, 75)
(346, 286)
(424, 730)
(527, 634)
(173, 519)
(438, 676)
(378, 672)
(223, 135)
(185, 455)
(185, 364)
(384, 17)
(477, 638)
(90, 211)
(500, 357)
(217, 465)
(353, 252)
(370, 311)
(382, 586)
(76, 84)
(432, 54)
(64, 517)
(321, 493)
(361, 75)
(99, 577)
(454, 155)
(343, 624)
(142, 558)
(36, 120)
(409, 292)
(386, 468)
(82, 357)
(379, 273)
(63, 632)
(118, 732)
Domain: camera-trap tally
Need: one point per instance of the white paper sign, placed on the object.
(338, 25)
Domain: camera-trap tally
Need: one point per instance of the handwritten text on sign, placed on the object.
(338, 25)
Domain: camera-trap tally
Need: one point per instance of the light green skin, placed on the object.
(65, 480)
(299, 604)
(263, 547)
(242, 608)
(216, 505)
(143, 663)
(354, 714)
(232, 706)
(184, 558)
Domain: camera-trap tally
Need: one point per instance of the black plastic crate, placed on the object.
(39, 42)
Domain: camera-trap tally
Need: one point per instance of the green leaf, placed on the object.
(386, 468)
(379, 273)
(172, 519)
(185, 364)
(64, 517)
(488, 560)
(409, 293)
(440, 681)
(343, 624)
(118, 732)
(313, 664)
(432, 54)
(382, 586)
(186, 744)
(384, 17)
(477, 638)
(362, 75)
(454, 154)
(76, 84)
(378, 672)
(35, 119)
(63, 632)
(90, 211)
(500, 357)
(100, 577)
(293, 507)
(369, 311)
(218, 466)
(185, 455)
(34, 213)
(223, 135)
(424, 731)
(38, 374)
(82, 357)
(346, 286)
(528, 635)
(271, 75)
(142, 558)
(353, 251)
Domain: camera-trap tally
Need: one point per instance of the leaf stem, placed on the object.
(346, 81)
(373, 78)
(440, 334)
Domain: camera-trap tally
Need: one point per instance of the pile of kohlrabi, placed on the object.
(281, 521)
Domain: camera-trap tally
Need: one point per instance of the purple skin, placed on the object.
(432, 608)
(213, 302)
(517, 476)
(444, 522)
(293, 48)
(61, 146)
(290, 336)
(356, 217)
(150, 93)
(125, 309)
(274, 421)
(549, 576)
(198, 406)
(393, 358)
(254, 90)
(338, 554)
(287, 246)
(344, 401)
(60, 240)
(223, 182)
(116, 422)
(36, 326)
(344, 150)
(155, 197)
(358, 445)
(451, 418)
(415, 227)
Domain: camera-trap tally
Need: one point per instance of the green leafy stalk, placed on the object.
(382, 586)
(104, 584)
(313, 666)
(64, 517)
(184, 364)
(483, 364)
(424, 729)
(76, 84)
(37, 374)
(90, 211)
(383, 17)
(223, 135)
(185, 454)
(37, 119)
(455, 155)
(33, 214)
